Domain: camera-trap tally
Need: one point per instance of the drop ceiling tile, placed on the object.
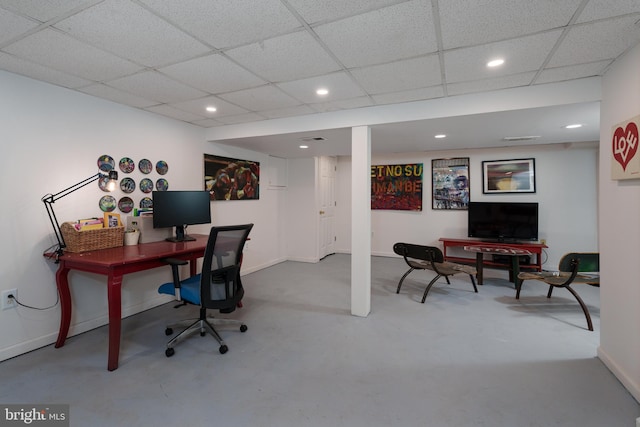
(400, 75)
(266, 97)
(156, 87)
(39, 72)
(520, 55)
(288, 57)
(198, 106)
(600, 9)
(409, 95)
(107, 92)
(384, 35)
(340, 86)
(167, 110)
(59, 51)
(550, 75)
(224, 24)
(298, 110)
(241, 118)
(314, 11)
(343, 104)
(487, 85)
(213, 73)
(597, 41)
(130, 31)
(207, 123)
(467, 23)
(12, 25)
(45, 10)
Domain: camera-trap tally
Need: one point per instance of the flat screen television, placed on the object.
(180, 209)
(503, 221)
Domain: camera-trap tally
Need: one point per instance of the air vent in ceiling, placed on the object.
(520, 138)
(313, 138)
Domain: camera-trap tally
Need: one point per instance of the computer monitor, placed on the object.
(180, 209)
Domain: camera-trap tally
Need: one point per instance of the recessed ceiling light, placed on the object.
(577, 125)
(322, 91)
(442, 135)
(304, 146)
(211, 109)
(495, 63)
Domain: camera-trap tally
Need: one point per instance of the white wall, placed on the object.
(51, 139)
(566, 189)
(619, 232)
(301, 215)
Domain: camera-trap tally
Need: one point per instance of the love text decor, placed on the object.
(397, 187)
(625, 161)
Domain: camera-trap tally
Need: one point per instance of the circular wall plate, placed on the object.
(107, 203)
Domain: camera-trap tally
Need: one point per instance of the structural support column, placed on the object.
(360, 221)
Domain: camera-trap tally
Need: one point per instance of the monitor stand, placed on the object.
(180, 235)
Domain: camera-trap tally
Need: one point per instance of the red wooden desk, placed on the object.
(115, 263)
(518, 250)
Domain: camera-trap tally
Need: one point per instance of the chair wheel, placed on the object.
(203, 334)
(243, 328)
(169, 352)
(223, 349)
(168, 331)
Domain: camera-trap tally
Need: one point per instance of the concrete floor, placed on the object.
(460, 359)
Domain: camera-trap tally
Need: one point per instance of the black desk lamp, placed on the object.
(49, 199)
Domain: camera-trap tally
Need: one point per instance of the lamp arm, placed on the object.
(50, 199)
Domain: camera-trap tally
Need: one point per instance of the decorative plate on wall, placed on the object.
(146, 203)
(125, 204)
(107, 203)
(145, 166)
(127, 185)
(106, 163)
(103, 182)
(127, 165)
(162, 185)
(146, 185)
(162, 167)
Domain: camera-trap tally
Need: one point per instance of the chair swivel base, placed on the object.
(203, 326)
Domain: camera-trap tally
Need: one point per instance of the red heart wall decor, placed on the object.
(625, 144)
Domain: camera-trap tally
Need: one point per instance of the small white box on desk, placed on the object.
(144, 224)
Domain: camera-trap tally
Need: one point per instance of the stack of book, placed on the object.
(88, 224)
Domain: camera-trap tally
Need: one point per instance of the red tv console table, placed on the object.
(514, 250)
(115, 263)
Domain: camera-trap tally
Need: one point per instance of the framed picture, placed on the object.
(112, 220)
(231, 179)
(397, 187)
(509, 176)
(450, 183)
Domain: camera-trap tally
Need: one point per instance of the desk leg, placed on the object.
(479, 266)
(62, 282)
(114, 288)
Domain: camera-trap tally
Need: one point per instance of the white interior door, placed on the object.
(326, 205)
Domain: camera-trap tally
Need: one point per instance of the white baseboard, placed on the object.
(628, 382)
(78, 328)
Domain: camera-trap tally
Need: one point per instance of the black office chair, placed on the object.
(217, 287)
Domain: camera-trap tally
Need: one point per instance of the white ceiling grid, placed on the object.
(262, 59)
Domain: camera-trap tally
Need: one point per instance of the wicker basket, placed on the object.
(90, 240)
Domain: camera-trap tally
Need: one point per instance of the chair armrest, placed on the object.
(175, 261)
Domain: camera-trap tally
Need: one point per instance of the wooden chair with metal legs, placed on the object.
(574, 268)
(419, 257)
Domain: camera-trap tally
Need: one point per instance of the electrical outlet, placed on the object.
(543, 241)
(7, 302)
